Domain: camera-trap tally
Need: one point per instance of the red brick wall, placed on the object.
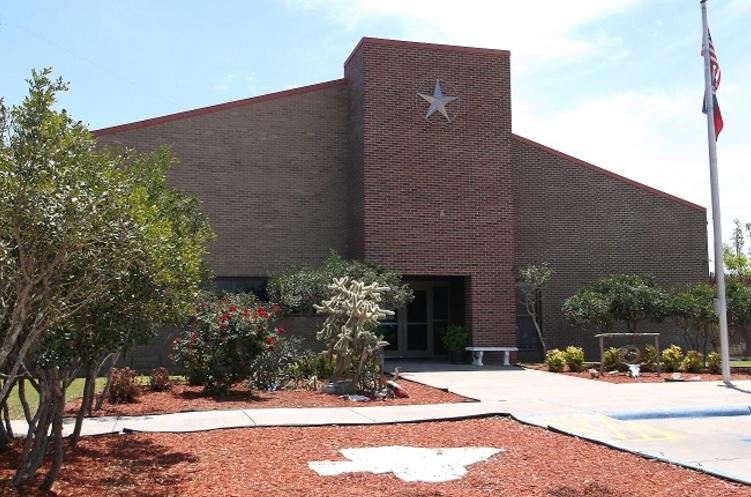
(587, 224)
(271, 175)
(437, 197)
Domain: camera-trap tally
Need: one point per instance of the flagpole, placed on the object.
(719, 266)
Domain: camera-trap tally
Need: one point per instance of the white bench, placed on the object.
(477, 353)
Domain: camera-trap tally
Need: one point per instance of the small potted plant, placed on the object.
(454, 341)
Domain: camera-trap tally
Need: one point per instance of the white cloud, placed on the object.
(225, 84)
(536, 32)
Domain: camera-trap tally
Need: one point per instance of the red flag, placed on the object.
(716, 75)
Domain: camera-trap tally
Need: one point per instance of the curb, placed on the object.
(697, 412)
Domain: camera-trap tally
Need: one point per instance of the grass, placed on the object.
(75, 391)
(740, 364)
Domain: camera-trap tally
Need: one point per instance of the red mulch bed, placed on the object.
(273, 461)
(738, 374)
(186, 398)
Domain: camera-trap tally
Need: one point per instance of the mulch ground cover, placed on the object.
(184, 398)
(737, 374)
(273, 462)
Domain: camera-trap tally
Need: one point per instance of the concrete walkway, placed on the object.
(185, 422)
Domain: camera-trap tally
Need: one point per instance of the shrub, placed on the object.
(574, 358)
(672, 358)
(325, 365)
(270, 369)
(714, 363)
(693, 362)
(455, 338)
(649, 358)
(308, 369)
(300, 289)
(612, 359)
(123, 387)
(223, 339)
(555, 360)
(159, 380)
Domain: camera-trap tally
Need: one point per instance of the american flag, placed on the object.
(716, 76)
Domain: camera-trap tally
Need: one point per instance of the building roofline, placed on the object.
(417, 44)
(215, 108)
(605, 172)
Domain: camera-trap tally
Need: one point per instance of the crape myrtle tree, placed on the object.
(630, 298)
(693, 311)
(588, 309)
(96, 252)
(532, 279)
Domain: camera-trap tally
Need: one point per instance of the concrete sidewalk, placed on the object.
(185, 422)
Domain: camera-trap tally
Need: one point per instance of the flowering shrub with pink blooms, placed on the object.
(223, 338)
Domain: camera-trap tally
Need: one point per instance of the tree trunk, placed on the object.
(86, 401)
(57, 432)
(543, 346)
(106, 390)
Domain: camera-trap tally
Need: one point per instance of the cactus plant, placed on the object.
(352, 316)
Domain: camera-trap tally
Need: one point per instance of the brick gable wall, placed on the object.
(271, 176)
(588, 224)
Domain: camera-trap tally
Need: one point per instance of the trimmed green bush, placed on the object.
(649, 358)
(455, 338)
(672, 358)
(574, 358)
(693, 362)
(714, 363)
(555, 360)
(612, 359)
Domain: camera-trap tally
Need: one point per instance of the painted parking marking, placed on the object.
(604, 427)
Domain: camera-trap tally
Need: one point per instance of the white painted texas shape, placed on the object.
(407, 463)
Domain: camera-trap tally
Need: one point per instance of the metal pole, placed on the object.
(720, 304)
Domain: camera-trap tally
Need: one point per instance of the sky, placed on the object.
(618, 83)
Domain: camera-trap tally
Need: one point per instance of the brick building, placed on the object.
(410, 161)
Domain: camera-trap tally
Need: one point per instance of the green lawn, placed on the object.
(74, 391)
(740, 364)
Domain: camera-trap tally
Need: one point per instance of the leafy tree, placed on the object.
(96, 251)
(738, 293)
(693, 310)
(588, 309)
(300, 289)
(632, 298)
(532, 279)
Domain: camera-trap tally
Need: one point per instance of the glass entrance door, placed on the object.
(414, 330)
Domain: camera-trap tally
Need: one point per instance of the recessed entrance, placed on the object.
(416, 329)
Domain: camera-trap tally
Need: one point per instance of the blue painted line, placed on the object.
(698, 412)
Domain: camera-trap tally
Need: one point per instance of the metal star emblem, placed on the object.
(437, 101)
